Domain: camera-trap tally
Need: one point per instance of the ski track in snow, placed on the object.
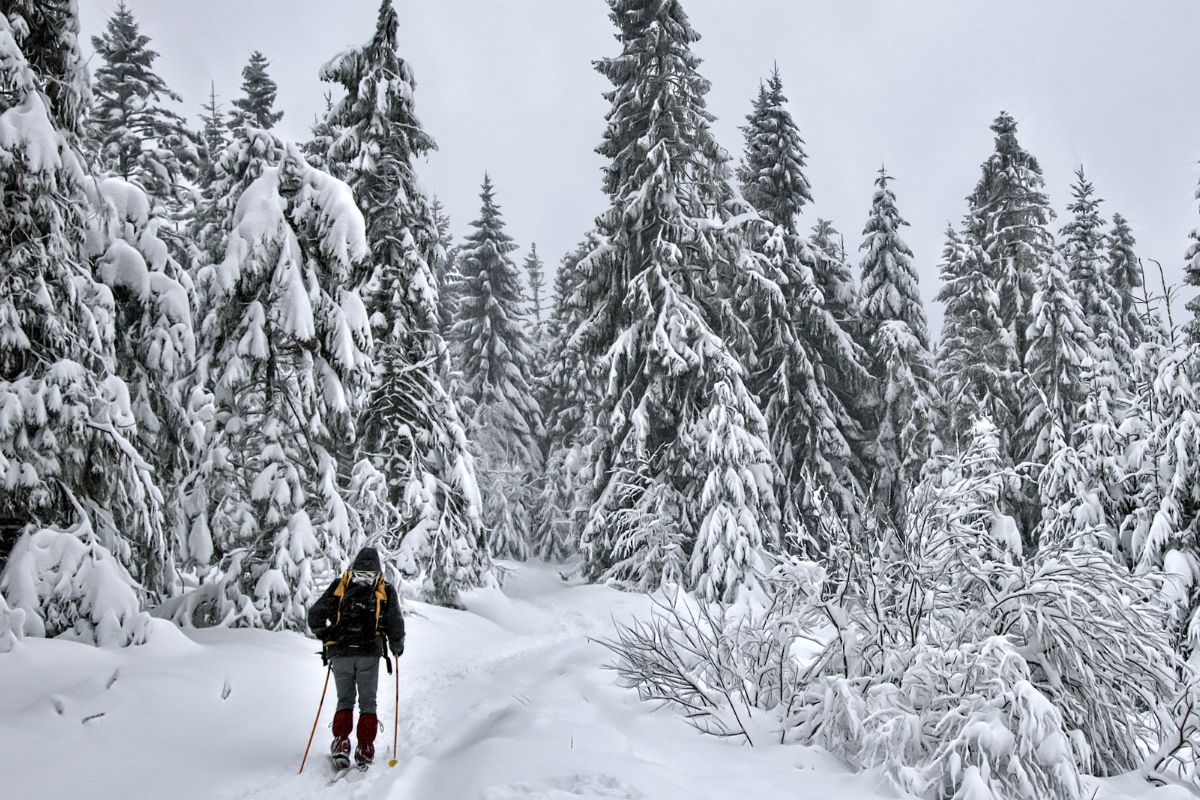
(508, 700)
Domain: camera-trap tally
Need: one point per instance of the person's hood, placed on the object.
(367, 560)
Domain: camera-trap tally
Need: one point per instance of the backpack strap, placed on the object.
(339, 592)
(380, 599)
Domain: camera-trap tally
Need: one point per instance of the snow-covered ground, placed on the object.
(509, 699)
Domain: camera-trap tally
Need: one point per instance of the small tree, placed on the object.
(256, 106)
(131, 130)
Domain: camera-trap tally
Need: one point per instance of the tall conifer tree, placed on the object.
(69, 462)
(412, 428)
(805, 366)
(1125, 275)
(653, 290)
(894, 320)
(1092, 279)
(496, 360)
(287, 357)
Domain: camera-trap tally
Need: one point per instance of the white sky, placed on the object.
(508, 86)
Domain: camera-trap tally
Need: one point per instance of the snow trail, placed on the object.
(508, 700)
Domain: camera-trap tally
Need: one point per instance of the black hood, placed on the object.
(367, 560)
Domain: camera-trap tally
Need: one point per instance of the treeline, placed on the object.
(227, 361)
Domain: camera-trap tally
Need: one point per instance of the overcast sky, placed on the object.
(507, 86)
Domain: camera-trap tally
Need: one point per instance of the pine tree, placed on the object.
(1192, 276)
(445, 268)
(894, 320)
(535, 272)
(833, 276)
(68, 455)
(286, 356)
(652, 291)
(1165, 515)
(204, 226)
(214, 136)
(1125, 277)
(316, 149)
(975, 357)
(804, 365)
(256, 106)
(1060, 348)
(567, 394)
(154, 304)
(1090, 273)
(1008, 216)
(772, 169)
(496, 359)
(131, 130)
(412, 428)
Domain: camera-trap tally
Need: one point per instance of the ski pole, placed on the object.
(396, 724)
(324, 689)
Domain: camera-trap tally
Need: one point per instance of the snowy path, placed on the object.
(509, 700)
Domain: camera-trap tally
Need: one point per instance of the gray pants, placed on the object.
(354, 674)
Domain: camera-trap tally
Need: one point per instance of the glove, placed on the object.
(397, 648)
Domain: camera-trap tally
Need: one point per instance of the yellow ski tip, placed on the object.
(393, 763)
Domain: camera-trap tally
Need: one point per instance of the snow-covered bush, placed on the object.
(725, 668)
(943, 659)
(12, 626)
(65, 583)
(648, 536)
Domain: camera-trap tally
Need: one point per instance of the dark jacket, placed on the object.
(391, 622)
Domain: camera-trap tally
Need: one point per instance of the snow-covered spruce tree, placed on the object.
(411, 430)
(1006, 241)
(1125, 277)
(493, 353)
(70, 469)
(653, 305)
(896, 328)
(207, 215)
(256, 106)
(286, 356)
(445, 268)
(975, 357)
(833, 275)
(535, 273)
(213, 136)
(772, 169)
(1060, 342)
(1192, 276)
(154, 303)
(132, 131)
(1163, 527)
(803, 365)
(1082, 487)
(1008, 217)
(1092, 280)
(567, 393)
(322, 136)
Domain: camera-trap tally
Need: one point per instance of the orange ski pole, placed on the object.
(324, 689)
(396, 724)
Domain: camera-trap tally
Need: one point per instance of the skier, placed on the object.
(358, 619)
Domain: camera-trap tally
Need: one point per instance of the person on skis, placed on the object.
(359, 620)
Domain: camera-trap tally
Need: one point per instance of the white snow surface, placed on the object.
(508, 699)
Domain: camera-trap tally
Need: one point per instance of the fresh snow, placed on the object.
(508, 699)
